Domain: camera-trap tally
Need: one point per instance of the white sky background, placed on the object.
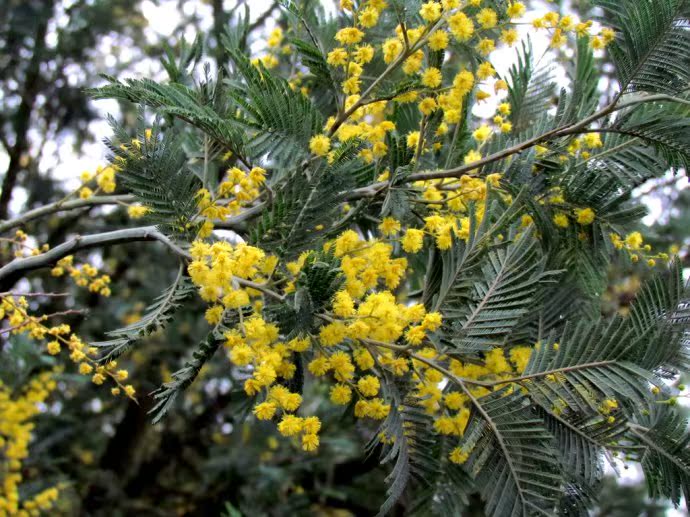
(59, 157)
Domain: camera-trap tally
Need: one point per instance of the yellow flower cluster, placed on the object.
(255, 345)
(104, 179)
(560, 26)
(442, 19)
(366, 264)
(275, 48)
(16, 412)
(449, 202)
(84, 275)
(238, 189)
(216, 269)
(20, 245)
(368, 328)
(59, 337)
(633, 243)
(137, 211)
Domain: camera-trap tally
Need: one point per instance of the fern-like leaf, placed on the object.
(511, 456)
(666, 461)
(282, 121)
(652, 48)
(156, 172)
(166, 395)
(509, 281)
(156, 316)
(408, 429)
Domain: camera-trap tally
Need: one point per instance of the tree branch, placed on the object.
(12, 271)
(549, 135)
(60, 206)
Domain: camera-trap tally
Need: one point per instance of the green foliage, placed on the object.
(652, 47)
(537, 439)
(529, 88)
(305, 208)
(666, 458)
(155, 171)
(511, 461)
(664, 127)
(155, 318)
(408, 442)
(280, 122)
(509, 279)
(166, 395)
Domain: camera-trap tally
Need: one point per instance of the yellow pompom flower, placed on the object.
(311, 425)
(431, 77)
(584, 216)
(343, 305)
(290, 425)
(461, 26)
(349, 36)
(320, 145)
(341, 394)
(561, 220)
(432, 321)
(485, 70)
(368, 385)
(412, 139)
(389, 226)
(53, 347)
(310, 442)
(137, 211)
(427, 106)
(430, 12)
(633, 241)
(458, 456)
(482, 134)
(337, 57)
(487, 18)
(265, 410)
(438, 40)
(368, 18)
(516, 9)
(413, 240)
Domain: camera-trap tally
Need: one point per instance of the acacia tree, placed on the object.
(437, 276)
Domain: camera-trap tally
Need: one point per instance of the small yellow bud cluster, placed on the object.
(19, 243)
(633, 243)
(237, 190)
(59, 338)
(275, 48)
(104, 179)
(560, 26)
(84, 275)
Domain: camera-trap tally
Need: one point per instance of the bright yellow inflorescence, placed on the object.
(59, 338)
(84, 275)
(369, 329)
(16, 413)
